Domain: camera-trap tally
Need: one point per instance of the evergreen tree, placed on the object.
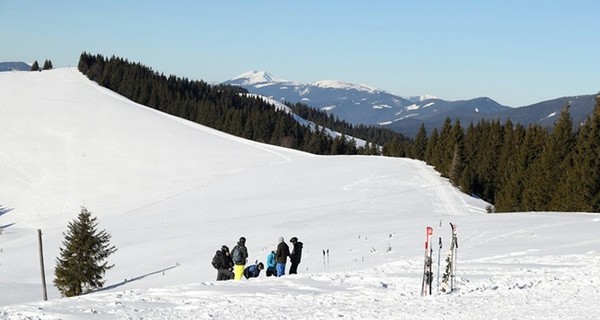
(457, 164)
(445, 148)
(527, 155)
(508, 193)
(552, 164)
(431, 154)
(47, 65)
(80, 267)
(583, 177)
(420, 143)
(35, 66)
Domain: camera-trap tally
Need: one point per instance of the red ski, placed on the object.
(427, 273)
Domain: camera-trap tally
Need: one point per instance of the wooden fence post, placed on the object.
(45, 292)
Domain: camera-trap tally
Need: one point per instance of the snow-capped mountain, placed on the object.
(420, 98)
(364, 104)
(256, 78)
(354, 103)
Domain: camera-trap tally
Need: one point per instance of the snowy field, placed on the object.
(171, 192)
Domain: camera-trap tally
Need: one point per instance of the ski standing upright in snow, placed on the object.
(449, 277)
(427, 273)
(438, 265)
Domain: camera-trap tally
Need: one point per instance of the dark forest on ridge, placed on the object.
(516, 168)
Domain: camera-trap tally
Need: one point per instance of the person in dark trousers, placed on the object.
(271, 264)
(283, 251)
(253, 271)
(225, 271)
(296, 255)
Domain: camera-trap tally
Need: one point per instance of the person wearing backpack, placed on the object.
(239, 254)
(296, 255)
(223, 263)
(253, 271)
(271, 263)
(283, 251)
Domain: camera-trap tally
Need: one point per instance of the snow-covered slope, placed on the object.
(171, 192)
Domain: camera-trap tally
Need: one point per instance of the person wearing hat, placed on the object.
(225, 266)
(296, 255)
(239, 254)
(253, 271)
(283, 251)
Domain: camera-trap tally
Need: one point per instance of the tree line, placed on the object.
(226, 108)
(519, 168)
(36, 67)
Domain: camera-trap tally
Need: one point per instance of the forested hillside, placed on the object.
(225, 108)
(520, 168)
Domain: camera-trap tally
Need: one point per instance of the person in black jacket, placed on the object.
(283, 251)
(296, 255)
(226, 266)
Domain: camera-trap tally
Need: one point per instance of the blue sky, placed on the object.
(515, 52)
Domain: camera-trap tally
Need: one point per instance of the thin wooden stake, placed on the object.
(45, 292)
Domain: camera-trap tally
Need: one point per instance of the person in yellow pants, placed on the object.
(239, 254)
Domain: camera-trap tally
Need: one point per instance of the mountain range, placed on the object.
(363, 104)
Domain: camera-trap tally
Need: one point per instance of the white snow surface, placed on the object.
(337, 84)
(258, 78)
(171, 192)
(420, 98)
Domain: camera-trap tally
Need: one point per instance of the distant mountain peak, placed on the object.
(336, 84)
(256, 77)
(420, 98)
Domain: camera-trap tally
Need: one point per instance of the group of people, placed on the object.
(232, 265)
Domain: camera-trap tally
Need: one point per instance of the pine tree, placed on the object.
(554, 162)
(80, 267)
(47, 65)
(445, 148)
(420, 143)
(529, 152)
(508, 196)
(583, 175)
(431, 151)
(35, 66)
(457, 164)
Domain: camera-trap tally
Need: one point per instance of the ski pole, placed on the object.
(438, 265)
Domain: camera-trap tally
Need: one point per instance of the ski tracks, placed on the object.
(445, 201)
(22, 175)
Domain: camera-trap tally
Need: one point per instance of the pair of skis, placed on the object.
(448, 278)
(427, 273)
